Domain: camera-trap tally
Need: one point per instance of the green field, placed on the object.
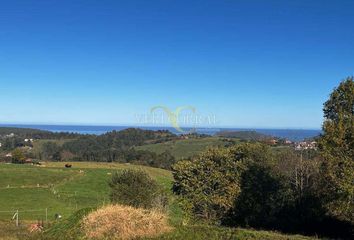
(59, 190)
(32, 189)
(184, 148)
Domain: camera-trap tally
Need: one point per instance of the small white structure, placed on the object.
(10, 135)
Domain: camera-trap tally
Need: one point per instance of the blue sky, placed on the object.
(250, 63)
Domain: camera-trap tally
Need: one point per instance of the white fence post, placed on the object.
(17, 218)
(46, 216)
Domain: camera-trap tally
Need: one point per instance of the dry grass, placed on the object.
(124, 222)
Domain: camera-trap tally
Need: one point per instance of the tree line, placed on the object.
(115, 146)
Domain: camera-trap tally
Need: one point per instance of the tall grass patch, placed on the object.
(124, 222)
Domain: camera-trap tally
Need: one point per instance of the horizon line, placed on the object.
(149, 126)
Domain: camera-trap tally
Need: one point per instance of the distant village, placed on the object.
(306, 145)
(24, 144)
(297, 145)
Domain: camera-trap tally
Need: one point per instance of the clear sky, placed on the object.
(251, 63)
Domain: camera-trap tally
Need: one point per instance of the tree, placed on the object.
(18, 156)
(337, 147)
(300, 168)
(50, 151)
(164, 160)
(10, 143)
(263, 195)
(209, 183)
(136, 188)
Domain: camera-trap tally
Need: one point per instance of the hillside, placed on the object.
(184, 148)
(244, 135)
(114, 146)
(21, 131)
(61, 190)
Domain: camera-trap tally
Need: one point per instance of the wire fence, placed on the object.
(20, 218)
(74, 200)
(67, 202)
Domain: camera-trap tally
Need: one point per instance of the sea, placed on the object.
(290, 134)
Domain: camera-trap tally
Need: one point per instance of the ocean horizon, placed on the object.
(290, 134)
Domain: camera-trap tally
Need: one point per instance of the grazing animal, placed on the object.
(68, 165)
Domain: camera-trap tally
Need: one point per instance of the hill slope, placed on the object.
(184, 148)
(244, 135)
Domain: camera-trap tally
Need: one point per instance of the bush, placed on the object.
(18, 156)
(124, 222)
(208, 184)
(136, 189)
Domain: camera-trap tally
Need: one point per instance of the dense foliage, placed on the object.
(136, 189)
(119, 147)
(263, 195)
(337, 147)
(253, 185)
(17, 156)
(115, 146)
(210, 182)
(10, 143)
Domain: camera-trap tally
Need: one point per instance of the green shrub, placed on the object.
(18, 156)
(208, 184)
(136, 189)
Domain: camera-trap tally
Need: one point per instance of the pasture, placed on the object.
(60, 190)
(184, 148)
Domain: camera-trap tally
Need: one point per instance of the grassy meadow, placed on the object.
(184, 148)
(60, 190)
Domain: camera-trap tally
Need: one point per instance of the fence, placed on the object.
(24, 217)
(19, 216)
